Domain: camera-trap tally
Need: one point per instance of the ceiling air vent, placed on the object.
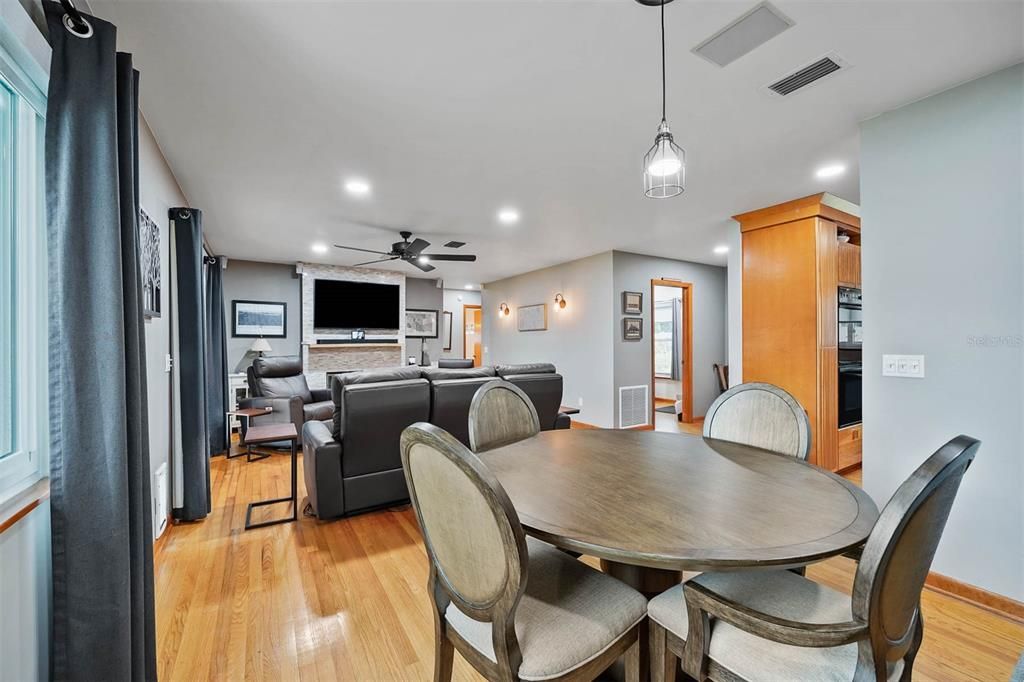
(752, 29)
(812, 73)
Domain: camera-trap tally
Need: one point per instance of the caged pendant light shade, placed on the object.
(665, 161)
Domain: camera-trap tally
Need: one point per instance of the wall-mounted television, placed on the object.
(338, 304)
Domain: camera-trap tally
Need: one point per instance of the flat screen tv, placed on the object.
(354, 305)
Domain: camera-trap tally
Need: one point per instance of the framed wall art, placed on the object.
(632, 328)
(532, 318)
(421, 324)
(259, 318)
(632, 303)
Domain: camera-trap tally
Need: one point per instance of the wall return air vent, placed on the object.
(815, 72)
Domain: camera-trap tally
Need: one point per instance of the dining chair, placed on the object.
(761, 415)
(722, 375)
(500, 414)
(515, 608)
(776, 625)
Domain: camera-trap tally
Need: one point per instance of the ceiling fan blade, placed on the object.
(466, 258)
(370, 262)
(425, 267)
(356, 248)
(416, 247)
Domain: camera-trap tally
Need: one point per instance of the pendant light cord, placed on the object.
(662, 61)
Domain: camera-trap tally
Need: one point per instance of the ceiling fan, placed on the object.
(412, 252)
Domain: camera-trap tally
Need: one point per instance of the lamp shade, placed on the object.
(260, 345)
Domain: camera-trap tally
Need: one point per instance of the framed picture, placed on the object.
(632, 303)
(447, 330)
(149, 262)
(632, 328)
(532, 318)
(259, 318)
(420, 324)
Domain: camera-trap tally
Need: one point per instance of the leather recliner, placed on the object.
(543, 386)
(281, 378)
(356, 465)
(353, 463)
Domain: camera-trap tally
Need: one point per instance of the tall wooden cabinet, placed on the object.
(791, 275)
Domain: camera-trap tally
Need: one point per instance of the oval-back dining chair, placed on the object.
(774, 625)
(514, 608)
(501, 413)
(761, 415)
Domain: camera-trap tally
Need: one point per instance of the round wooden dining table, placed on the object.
(651, 505)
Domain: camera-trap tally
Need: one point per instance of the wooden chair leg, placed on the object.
(663, 661)
(915, 644)
(444, 656)
(631, 659)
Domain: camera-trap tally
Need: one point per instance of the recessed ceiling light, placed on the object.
(720, 249)
(508, 216)
(830, 171)
(357, 187)
(469, 286)
(319, 248)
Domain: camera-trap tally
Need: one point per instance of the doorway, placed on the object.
(472, 334)
(671, 353)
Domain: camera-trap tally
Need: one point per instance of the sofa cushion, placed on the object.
(449, 404)
(371, 376)
(277, 366)
(569, 613)
(526, 368)
(441, 374)
(284, 387)
(455, 363)
(318, 411)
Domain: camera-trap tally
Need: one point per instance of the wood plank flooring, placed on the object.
(347, 600)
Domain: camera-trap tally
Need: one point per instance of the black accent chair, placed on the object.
(278, 382)
(455, 363)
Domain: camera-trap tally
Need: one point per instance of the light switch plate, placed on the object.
(905, 366)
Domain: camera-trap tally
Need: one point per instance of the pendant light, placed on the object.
(665, 161)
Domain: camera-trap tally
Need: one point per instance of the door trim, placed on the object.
(467, 307)
(687, 347)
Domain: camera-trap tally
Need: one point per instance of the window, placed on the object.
(23, 427)
(664, 338)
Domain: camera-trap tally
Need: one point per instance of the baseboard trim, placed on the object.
(990, 601)
(582, 425)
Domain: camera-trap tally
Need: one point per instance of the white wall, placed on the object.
(578, 339)
(454, 299)
(25, 597)
(943, 272)
(735, 298)
(158, 192)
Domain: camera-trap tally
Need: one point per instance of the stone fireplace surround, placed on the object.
(318, 359)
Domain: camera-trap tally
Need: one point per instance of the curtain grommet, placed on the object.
(74, 29)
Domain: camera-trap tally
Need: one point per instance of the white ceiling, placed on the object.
(454, 109)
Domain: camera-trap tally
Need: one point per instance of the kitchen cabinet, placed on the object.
(848, 264)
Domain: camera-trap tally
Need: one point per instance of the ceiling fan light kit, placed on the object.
(411, 252)
(665, 161)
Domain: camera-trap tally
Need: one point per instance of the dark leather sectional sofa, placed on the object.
(352, 463)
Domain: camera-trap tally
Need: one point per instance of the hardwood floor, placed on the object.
(347, 599)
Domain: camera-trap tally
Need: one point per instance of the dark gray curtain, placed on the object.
(102, 530)
(677, 337)
(189, 320)
(216, 359)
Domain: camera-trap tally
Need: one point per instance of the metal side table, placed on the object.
(274, 433)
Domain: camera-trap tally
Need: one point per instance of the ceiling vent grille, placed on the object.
(633, 402)
(812, 73)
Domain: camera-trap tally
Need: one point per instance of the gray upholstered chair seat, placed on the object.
(783, 594)
(568, 615)
(319, 411)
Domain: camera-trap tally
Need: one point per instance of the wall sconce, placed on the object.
(559, 301)
(505, 311)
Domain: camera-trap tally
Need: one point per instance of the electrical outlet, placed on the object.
(904, 366)
(580, 402)
(168, 362)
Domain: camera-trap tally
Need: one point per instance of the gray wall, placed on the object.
(424, 295)
(252, 281)
(634, 272)
(942, 268)
(578, 339)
